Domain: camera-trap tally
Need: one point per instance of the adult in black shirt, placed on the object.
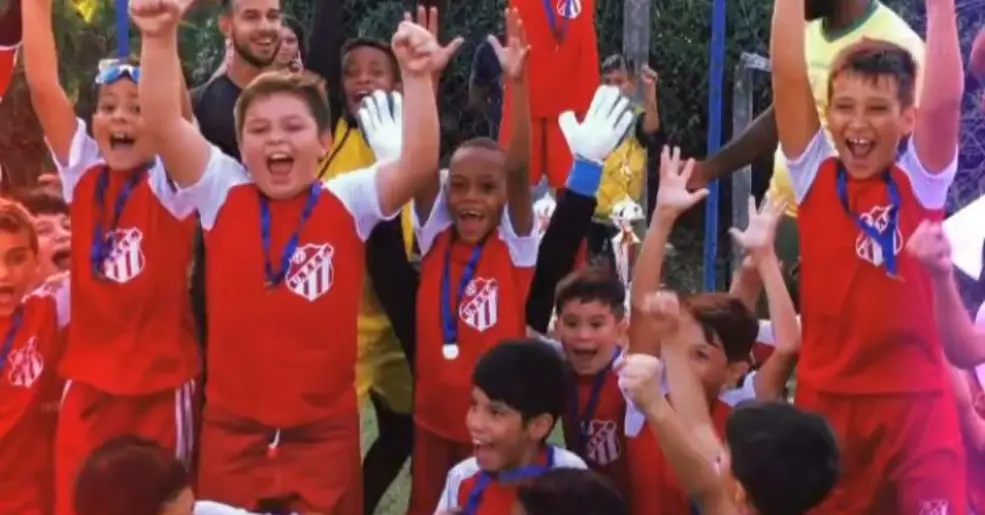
(253, 28)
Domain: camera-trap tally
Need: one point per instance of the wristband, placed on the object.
(585, 177)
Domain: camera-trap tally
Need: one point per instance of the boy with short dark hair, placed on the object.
(517, 398)
(867, 307)
(570, 491)
(30, 341)
(53, 226)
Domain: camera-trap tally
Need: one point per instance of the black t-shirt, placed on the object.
(213, 103)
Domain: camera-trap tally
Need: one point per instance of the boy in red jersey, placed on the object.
(872, 362)
(479, 247)
(30, 324)
(777, 460)
(132, 352)
(591, 305)
(54, 229)
(564, 72)
(517, 398)
(281, 426)
(10, 38)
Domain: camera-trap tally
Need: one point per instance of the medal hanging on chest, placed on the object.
(565, 10)
(8, 339)
(881, 228)
(450, 306)
(104, 239)
(272, 277)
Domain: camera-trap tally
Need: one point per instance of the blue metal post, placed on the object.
(122, 29)
(716, 76)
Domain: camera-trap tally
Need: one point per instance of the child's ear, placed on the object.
(734, 373)
(541, 426)
(909, 119)
(225, 25)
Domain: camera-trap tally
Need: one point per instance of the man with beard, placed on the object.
(253, 28)
(833, 25)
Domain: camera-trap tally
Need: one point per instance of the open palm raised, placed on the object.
(513, 56)
(761, 231)
(673, 196)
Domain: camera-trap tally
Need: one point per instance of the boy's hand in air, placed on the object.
(663, 308)
(415, 48)
(639, 378)
(930, 246)
(757, 238)
(512, 57)
(428, 18)
(381, 121)
(157, 17)
(607, 122)
(650, 81)
(673, 197)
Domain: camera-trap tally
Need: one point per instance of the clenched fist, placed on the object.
(157, 17)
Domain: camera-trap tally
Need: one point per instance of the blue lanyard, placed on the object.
(103, 238)
(559, 31)
(8, 339)
(583, 421)
(449, 306)
(486, 479)
(694, 509)
(886, 238)
(274, 278)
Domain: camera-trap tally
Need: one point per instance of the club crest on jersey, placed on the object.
(569, 9)
(480, 304)
(867, 248)
(26, 365)
(311, 273)
(603, 442)
(935, 507)
(126, 257)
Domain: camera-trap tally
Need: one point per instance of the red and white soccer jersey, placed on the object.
(133, 331)
(491, 309)
(8, 59)
(270, 359)
(871, 360)
(497, 498)
(29, 393)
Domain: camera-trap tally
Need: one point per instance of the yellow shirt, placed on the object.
(881, 23)
(381, 366)
(622, 176)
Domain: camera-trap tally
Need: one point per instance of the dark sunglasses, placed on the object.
(113, 72)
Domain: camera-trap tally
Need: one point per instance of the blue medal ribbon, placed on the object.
(486, 479)
(886, 238)
(449, 306)
(583, 421)
(275, 277)
(103, 238)
(8, 339)
(560, 30)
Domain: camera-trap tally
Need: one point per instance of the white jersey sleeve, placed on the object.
(426, 231)
(930, 189)
(359, 194)
(83, 154)
(803, 168)
(453, 483)
(208, 195)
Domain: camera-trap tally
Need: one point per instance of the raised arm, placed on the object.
(182, 148)
(49, 100)
(757, 239)
(673, 199)
(759, 139)
(400, 180)
(746, 285)
(797, 120)
(681, 445)
(513, 60)
(651, 105)
(964, 344)
(935, 135)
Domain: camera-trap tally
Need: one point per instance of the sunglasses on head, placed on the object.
(112, 72)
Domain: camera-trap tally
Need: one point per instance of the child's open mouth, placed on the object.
(121, 141)
(6, 294)
(471, 220)
(280, 164)
(860, 148)
(61, 259)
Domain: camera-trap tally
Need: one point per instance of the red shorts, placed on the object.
(433, 457)
(550, 156)
(900, 454)
(90, 417)
(313, 468)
